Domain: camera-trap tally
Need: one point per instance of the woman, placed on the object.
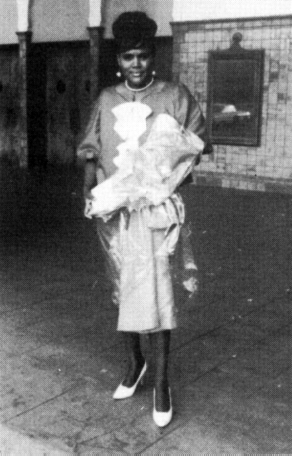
(122, 113)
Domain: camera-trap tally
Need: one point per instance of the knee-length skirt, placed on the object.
(138, 247)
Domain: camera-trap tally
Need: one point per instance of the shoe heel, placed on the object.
(123, 392)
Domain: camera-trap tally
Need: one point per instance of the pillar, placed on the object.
(24, 39)
(95, 37)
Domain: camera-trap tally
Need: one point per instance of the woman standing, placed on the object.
(122, 113)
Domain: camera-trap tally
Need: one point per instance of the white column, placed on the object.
(94, 13)
(23, 15)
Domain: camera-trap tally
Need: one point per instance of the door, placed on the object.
(37, 106)
(68, 99)
(9, 103)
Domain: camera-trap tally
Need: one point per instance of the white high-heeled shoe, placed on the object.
(162, 419)
(123, 392)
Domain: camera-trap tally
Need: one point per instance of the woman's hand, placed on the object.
(87, 194)
(88, 197)
(88, 207)
(198, 159)
(89, 183)
(89, 179)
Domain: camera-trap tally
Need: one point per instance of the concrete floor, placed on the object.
(61, 357)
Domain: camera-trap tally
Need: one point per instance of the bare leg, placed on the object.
(160, 342)
(136, 360)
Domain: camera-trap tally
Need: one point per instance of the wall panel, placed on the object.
(190, 10)
(62, 20)
(9, 102)
(8, 22)
(68, 99)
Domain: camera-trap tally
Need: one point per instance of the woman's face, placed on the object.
(136, 66)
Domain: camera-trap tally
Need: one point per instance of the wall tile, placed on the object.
(274, 36)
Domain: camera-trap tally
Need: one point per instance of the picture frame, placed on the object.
(235, 89)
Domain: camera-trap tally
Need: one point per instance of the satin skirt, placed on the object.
(138, 247)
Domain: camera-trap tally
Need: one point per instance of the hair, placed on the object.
(134, 30)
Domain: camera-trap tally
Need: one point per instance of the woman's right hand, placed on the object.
(87, 194)
(89, 179)
(88, 197)
(87, 208)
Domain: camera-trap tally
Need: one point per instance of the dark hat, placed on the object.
(134, 29)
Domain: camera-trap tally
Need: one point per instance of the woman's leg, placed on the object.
(136, 360)
(160, 342)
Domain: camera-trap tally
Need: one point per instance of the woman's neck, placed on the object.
(139, 89)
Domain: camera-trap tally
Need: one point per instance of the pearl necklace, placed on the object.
(141, 89)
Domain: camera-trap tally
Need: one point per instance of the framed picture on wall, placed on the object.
(235, 86)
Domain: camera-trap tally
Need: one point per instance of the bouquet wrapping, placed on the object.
(147, 175)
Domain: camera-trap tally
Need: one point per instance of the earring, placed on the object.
(119, 74)
(153, 73)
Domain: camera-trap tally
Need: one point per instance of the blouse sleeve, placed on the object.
(89, 147)
(188, 112)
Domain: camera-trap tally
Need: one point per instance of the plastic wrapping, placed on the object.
(183, 267)
(149, 174)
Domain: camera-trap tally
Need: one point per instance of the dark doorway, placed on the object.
(37, 106)
(68, 99)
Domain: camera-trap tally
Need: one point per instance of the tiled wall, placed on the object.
(251, 168)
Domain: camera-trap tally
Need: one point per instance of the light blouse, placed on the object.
(101, 139)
